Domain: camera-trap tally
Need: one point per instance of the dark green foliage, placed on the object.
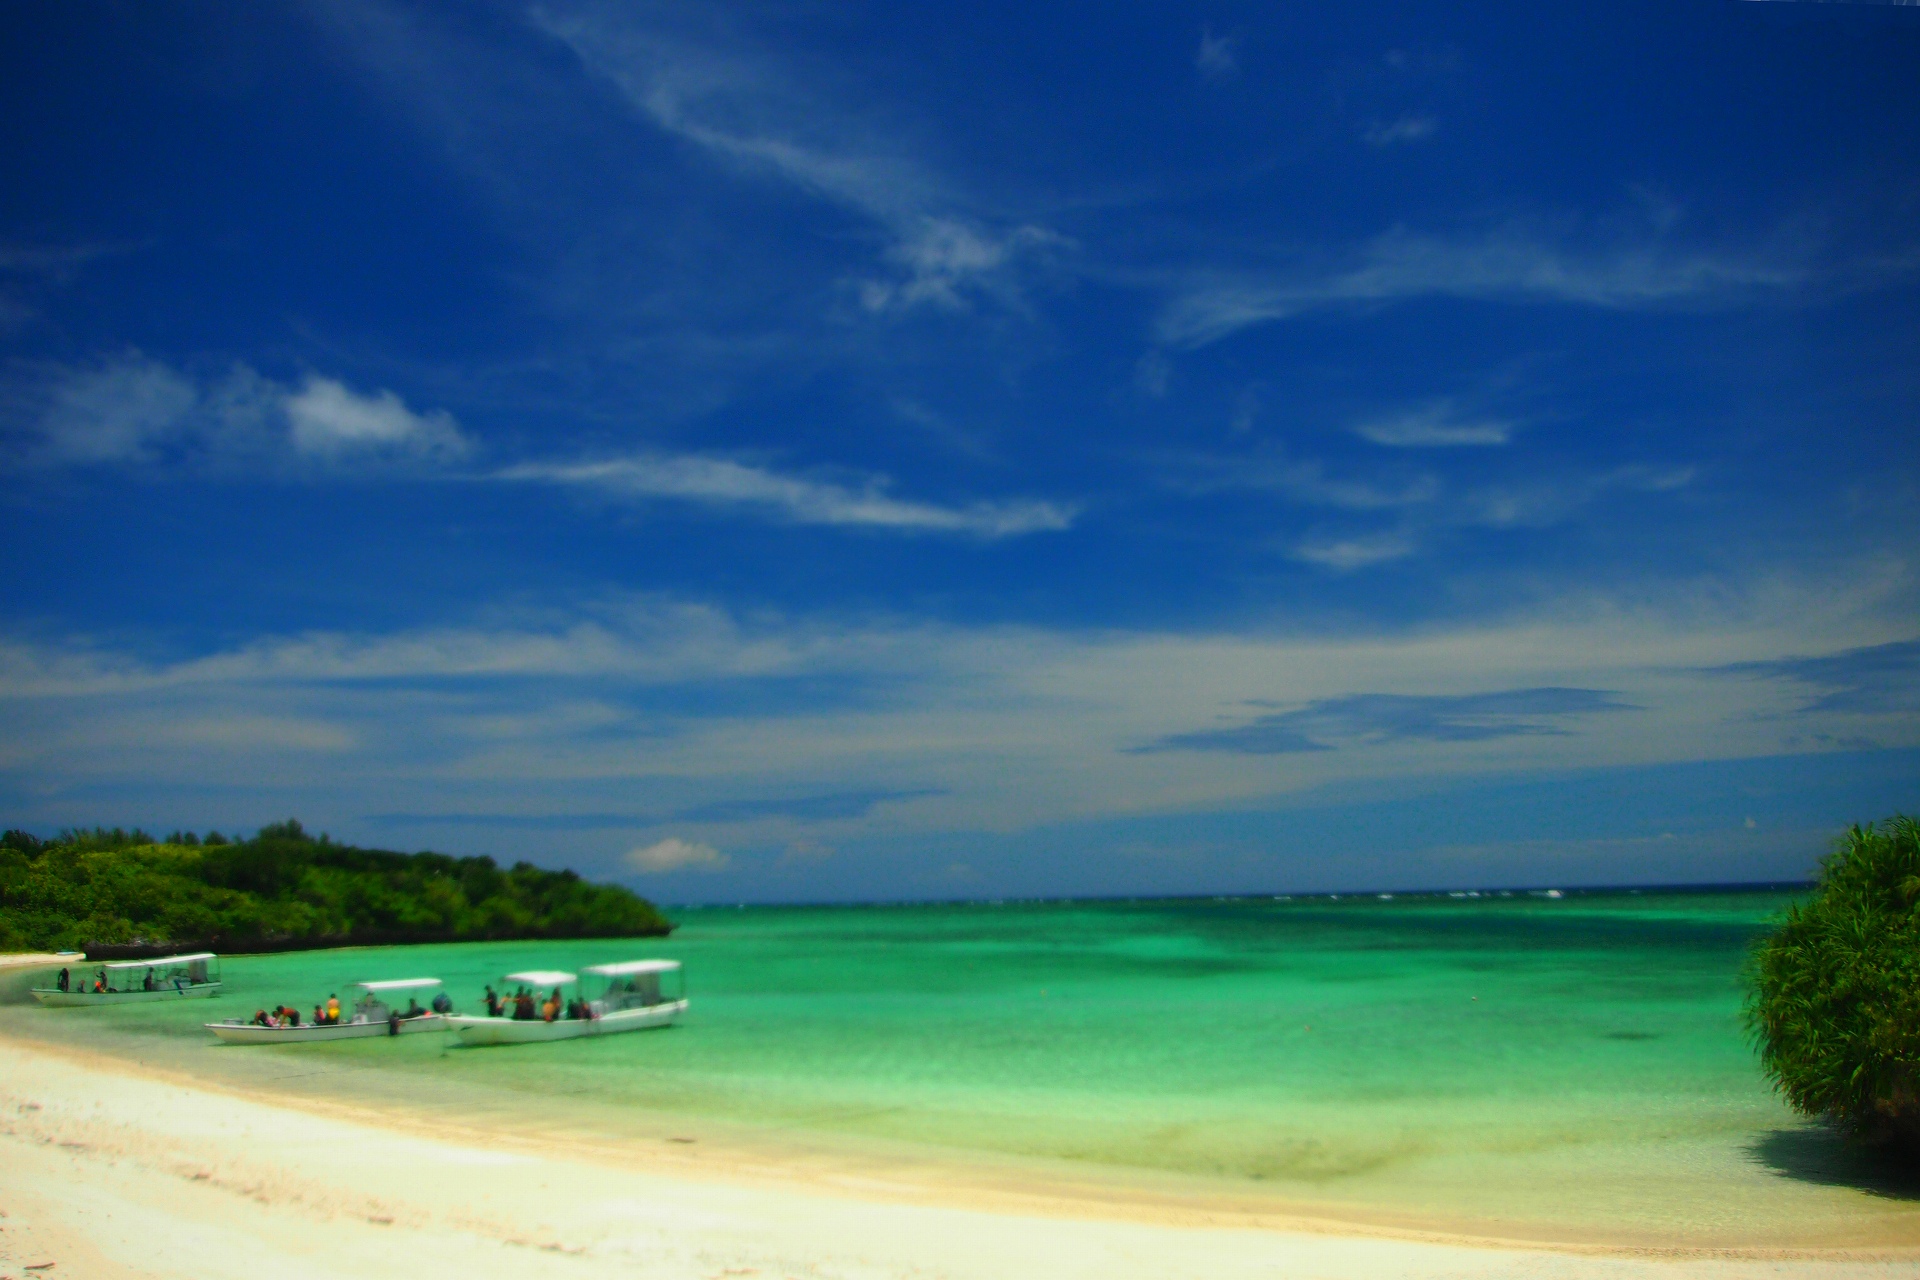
(1835, 1005)
(284, 887)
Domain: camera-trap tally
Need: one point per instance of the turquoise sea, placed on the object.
(1501, 1063)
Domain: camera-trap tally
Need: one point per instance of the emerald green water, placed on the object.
(1505, 1056)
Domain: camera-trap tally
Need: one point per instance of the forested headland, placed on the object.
(116, 893)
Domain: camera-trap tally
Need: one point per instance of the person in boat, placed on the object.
(319, 1015)
(63, 982)
(100, 980)
(333, 1010)
(147, 983)
(413, 1009)
(443, 1003)
(493, 1002)
(523, 1006)
(289, 1015)
(260, 1018)
(551, 1009)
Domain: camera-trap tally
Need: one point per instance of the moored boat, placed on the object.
(373, 1014)
(632, 995)
(188, 977)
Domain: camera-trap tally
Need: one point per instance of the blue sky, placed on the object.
(784, 452)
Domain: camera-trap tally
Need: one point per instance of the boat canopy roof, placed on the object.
(157, 961)
(398, 984)
(541, 977)
(626, 967)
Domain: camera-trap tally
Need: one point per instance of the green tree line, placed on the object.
(284, 889)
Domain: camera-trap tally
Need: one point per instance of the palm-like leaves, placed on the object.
(1835, 1005)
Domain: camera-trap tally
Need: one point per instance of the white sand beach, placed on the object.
(108, 1170)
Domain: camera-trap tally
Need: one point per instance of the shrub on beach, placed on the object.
(1835, 1002)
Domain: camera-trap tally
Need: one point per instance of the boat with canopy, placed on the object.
(375, 1013)
(632, 995)
(137, 981)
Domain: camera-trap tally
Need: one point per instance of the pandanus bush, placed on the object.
(1835, 1000)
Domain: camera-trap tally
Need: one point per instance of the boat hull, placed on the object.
(481, 1031)
(54, 997)
(314, 1033)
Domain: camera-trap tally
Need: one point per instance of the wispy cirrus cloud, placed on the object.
(1514, 264)
(1402, 512)
(1437, 424)
(747, 112)
(1218, 57)
(723, 482)
(1387, 133)
(132, 411)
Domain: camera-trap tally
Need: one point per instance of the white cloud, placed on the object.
(1344, 555)
(1405, 129)
(330, 421)
(948, 258)
(999, 728)
(1434, 425)
(1219, 56)
(675, 854)
(723, 482)
(127, 410)
(132, 410)
(1305, 480)
(747, 113)
(1514, 264)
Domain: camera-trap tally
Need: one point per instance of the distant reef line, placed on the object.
(120, 894)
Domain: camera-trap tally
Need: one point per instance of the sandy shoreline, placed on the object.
(109, 1172)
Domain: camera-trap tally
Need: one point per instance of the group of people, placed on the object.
(526, 1005)
(328, 1014)
(284, 1016)
(99, 984)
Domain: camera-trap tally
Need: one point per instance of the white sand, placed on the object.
(106, 1173)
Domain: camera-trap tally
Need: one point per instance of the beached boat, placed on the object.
(373, 1015)
(630, 996)
(138, 981)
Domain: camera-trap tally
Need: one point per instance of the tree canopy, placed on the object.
(1835, 1005)
(285, 888)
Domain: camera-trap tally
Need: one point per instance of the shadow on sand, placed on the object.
(1820, 1155)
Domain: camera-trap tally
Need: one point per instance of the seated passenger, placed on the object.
(523, 1005)
(413, 1009)
(551, 1009)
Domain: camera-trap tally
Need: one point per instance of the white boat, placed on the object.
(373, 1014)
(630, 996)
(138, 981)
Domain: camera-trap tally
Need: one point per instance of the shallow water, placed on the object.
(1496, 1058)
